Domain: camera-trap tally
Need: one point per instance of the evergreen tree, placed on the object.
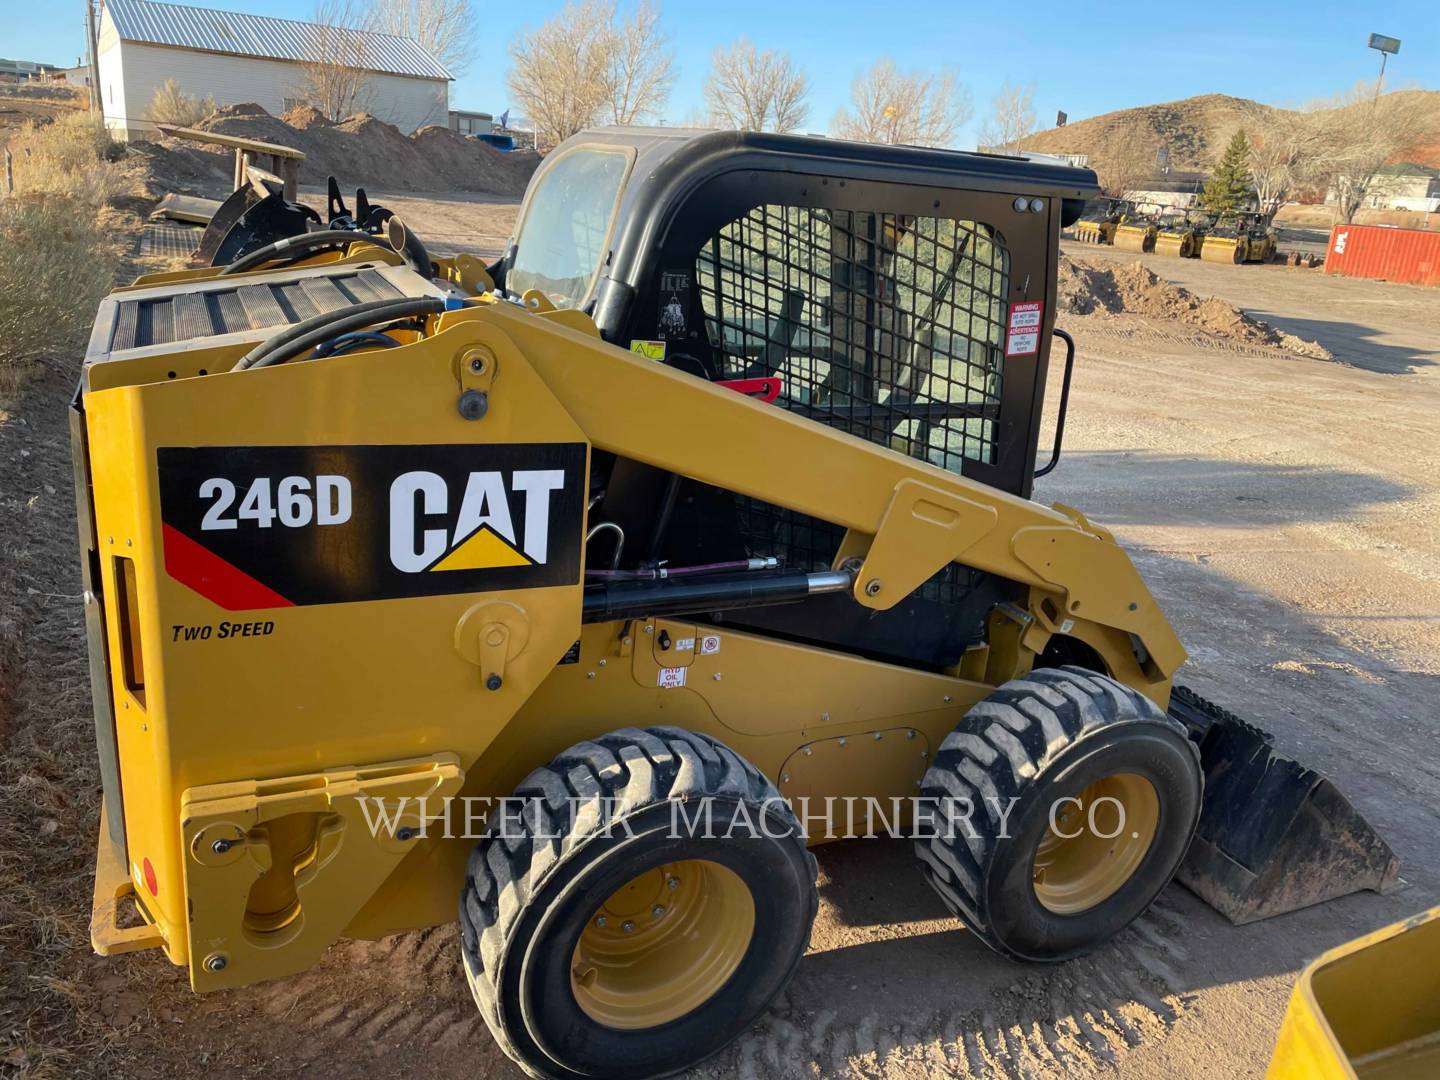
(1230, 189)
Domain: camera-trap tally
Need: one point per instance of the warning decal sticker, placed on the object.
(278, 526)
(1022, 336)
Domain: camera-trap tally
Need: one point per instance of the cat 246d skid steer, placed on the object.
(711, 497)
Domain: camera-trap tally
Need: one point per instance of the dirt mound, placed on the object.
(360, 151)
(306, 116)
(182, 168)
(1090, 290)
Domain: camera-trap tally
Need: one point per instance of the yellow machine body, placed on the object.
(1183, 243)
(279, 726)
(1225, 249)
(1369, 1009)
(1096, 232)
(1135, 236)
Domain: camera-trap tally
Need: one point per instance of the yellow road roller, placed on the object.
(1182, 235)
(1137, 232)
(1101, 229)
(1246, 237)
(574, 596)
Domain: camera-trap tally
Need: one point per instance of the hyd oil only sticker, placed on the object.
(278, 526)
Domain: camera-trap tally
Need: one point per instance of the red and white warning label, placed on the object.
(1022, 337)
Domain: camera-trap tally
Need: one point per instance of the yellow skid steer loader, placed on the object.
(582, 592)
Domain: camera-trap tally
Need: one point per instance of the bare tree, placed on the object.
(912, 107)
(582, 66)
(444, 28)
(1124, 157)
(1012, 118)
(641, 69)
(756, 91)
(336, 80)
(1358, 134)
(1284, 151)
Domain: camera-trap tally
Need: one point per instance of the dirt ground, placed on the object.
(20, 105)
(1284, 509)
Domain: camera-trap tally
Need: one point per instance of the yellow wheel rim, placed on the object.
(1095, 842)
(662, 945)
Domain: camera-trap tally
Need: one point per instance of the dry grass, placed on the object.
(59, 257)
(171, 105)
(55, 265)
(72, 156)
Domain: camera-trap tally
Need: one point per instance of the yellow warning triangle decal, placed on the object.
(482, 550)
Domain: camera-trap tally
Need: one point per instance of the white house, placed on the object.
(234, 57)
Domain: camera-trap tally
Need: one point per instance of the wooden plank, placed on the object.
(254, 146)
(186, 208)
(290, 169)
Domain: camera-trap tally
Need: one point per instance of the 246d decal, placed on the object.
(278, 526)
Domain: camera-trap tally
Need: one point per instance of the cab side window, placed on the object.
(888, 326)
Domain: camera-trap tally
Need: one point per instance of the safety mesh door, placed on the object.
(888, 326)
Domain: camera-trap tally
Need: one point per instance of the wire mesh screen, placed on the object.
(888, 326)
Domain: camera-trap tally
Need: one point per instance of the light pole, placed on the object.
(1385, 46)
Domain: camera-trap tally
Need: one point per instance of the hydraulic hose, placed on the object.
(299, 339)
(408, 246)
(297, 246)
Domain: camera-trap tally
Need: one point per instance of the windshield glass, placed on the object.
(567, 223)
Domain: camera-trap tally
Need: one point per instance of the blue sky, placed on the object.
(1283, 53)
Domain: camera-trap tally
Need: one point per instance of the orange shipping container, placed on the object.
(1411, 256)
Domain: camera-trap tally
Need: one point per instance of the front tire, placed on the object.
(600, 940)
(1125, 784)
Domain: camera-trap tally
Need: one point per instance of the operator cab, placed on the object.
(876, 283)
(903, 295)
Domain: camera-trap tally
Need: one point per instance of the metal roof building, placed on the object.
(236, 57)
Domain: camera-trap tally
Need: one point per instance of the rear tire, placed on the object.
(1085, 744)
(598, 943)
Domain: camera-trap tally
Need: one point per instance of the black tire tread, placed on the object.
(612, 777)
(1000, 746)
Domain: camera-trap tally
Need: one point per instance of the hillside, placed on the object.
(1195, 129)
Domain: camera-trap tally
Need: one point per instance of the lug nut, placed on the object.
(672, 883)
(658, 910)
(628, 926)
(600, 920)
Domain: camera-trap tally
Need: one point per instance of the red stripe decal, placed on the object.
(215, 579)
(766, 388)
